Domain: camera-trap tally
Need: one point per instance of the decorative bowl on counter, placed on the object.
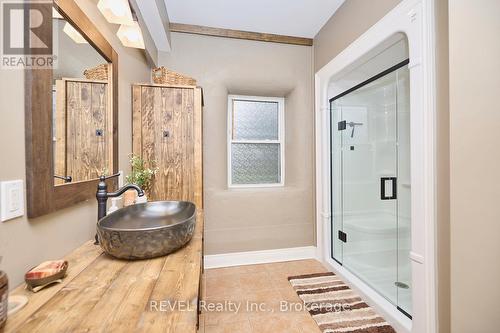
(147, 230)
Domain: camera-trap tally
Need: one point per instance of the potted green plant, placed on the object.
(140, 175)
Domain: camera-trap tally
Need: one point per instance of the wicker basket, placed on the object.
(161, 75)
(99, 72)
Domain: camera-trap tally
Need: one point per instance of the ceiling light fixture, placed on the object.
(131, 35)
(116, 11)
(74, 34)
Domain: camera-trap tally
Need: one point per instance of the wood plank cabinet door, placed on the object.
(82, 133)
(167, 133)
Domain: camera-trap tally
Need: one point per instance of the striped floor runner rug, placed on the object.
(335, 307)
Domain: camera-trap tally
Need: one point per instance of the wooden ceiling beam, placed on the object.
(239, 34)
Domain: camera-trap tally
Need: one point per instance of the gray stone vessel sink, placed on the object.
(147, 230)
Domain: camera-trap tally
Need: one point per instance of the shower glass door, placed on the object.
(370, 184)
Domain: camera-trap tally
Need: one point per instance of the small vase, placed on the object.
(129, 198)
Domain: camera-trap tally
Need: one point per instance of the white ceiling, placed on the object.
(301, 18)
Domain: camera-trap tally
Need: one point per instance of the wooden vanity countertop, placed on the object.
(104, 294)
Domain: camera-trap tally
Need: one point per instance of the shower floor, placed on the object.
(382, 276)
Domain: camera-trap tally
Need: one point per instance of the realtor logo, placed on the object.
(26, 34)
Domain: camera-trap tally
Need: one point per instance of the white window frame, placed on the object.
(281, 137)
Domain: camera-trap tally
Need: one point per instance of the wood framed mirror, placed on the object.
(71, 113)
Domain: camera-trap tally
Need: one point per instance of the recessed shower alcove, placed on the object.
(374, 156)
(370, 174)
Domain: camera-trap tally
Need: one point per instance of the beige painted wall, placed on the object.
(349, 22)
(24, 243)
(475, 165)
(443, 166)
(252, 219)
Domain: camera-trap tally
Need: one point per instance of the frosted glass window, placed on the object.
(256, 163)
(255, 141)
(255, 120)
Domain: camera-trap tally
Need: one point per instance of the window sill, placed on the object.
(254, 186)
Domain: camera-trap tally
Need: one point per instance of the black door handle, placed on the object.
(383, 186)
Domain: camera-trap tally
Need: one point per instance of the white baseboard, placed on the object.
(259, 257)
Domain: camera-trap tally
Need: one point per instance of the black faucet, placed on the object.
(102, 196)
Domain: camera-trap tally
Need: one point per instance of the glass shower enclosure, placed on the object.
(371, 188)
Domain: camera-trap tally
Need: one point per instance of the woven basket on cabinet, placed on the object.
(162, 75)
(99, 72)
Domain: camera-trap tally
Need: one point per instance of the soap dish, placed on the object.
(45, 274)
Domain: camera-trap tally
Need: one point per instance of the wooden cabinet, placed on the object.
(83, 136)
(167, 129)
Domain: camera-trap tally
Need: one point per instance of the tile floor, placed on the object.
(263, 285)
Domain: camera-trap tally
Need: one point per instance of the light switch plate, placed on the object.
(12, 199)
